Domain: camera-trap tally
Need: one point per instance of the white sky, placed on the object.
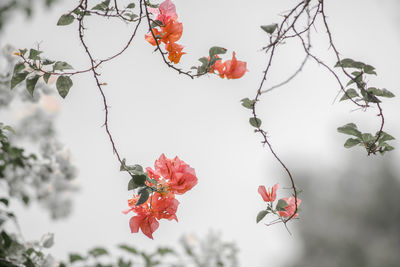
(156, 111)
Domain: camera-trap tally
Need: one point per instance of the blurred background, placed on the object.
(348, 215)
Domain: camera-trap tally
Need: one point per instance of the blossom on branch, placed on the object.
(230, 69)
(270, 195)
(169, 32)
(169, 177)
(291, 208)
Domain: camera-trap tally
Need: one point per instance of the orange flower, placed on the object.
(234, 69)
(149, 37)
(175, 52)
(172, 31)
(230, 69)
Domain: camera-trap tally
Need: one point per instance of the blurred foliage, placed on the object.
(9, 7)
(208, 252)
(351, 218)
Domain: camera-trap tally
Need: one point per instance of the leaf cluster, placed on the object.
(374, 143)
(358, 77)
(34, 67)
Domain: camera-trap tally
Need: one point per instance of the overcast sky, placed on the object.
(154, 111)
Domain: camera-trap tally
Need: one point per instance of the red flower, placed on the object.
(269, 196)
(290, 209)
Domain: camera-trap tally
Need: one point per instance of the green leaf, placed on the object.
(9, 128)
(215, 50)
(23, 51)
(102, 6)
(96, 252)
(18, 78)
(139, 179)
(349, 63)
(165, 251)
(135, 169)
(282, 204)
(204, 60)
(358, 79)
(73, 257)
(387, 147)
(351, 142)
(122, 263)
(350, 93)
(144, 195)
(269, 28)
(384, 137)
(65, 19)
(132, 185)
(63, 84)
(247, 103)
(47, 62)
(380, 92)
(129, 249)
(31, 83)
(46, 77)
(368, 96)
(6, 240)
(34, 54)
(131, 5)
(61, 65)
(369, 69)
(131, 16)
(4, 201)
(350, 129)
(367, 137)
(255, 122)
(19, 67)
(261, 215)
(25, 199)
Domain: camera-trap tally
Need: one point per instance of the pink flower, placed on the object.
(165, 12)
(180, 176)
(146, 222)
(270, 195)
(164, 207)
(290, 209)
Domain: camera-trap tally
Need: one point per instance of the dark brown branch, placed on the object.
(96, 76)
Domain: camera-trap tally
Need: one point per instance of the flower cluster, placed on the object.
(170, 177)
(230, 69)
(167, 30)
(285, 207)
